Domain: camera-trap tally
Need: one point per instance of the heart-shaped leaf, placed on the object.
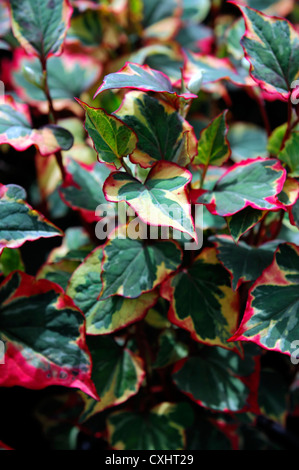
(271, 318)
(117, 374)
(163, 427)
(244, 262)
(162, 133)
(202, 301)
(112, 314)
(255, 183)
(220, 380)
(132, 267)
(160, 201)
(44, 336)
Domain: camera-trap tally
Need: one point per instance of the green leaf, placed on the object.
(68, 76)
(170, 350)
(162, 428)
(213, 146)
(160, 201)
(271, 319)
(44, 336)
(132, 267)
(59, 272)
(117, 374)
(202, 301)
(254, 183)
(276, 139)
(272, 47)
(289, 154)
(196, 10)
(19, 222)
(83, 190)
(244, 262)
(16, 130)
(112, 139)
(247, 141)
(11, 260)
(40, 26)
(233, 36)
(162, 133)
(140, 77)
(104, 316)
(212, 69)
(243, 221)
(215, 380)
(273, 395)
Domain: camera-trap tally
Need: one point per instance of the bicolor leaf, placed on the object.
(244, 262)
(16, 130)
(59, 272)
(255, 183)
(19, 222)
(170, 350)
(219, 380)
(112, 314)
(289, 154)
(272, 47)
(162, 133)
(83, 189)
(68, 76)
(117, 374)
(213, 146)
(160, 201)
(271, 319)
(44, 336)
(247, 141)
(10, 260)
(112, 139)
(213, 69)
(40, 26)
(243, 221)
(202, 301)
(163, 427)
(140, 77)
(273, 395)
(132, 267)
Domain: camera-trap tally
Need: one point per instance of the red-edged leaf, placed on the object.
(161, 200)
(271, 319)
(16, 130)
(202, 301)
(255, 183)
(140, 77)
(271, 45)
(41, 25)
(44, 336)
(19, 222)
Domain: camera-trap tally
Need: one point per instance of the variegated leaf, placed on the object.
(104, 316)
(271, 319)
(160, 201)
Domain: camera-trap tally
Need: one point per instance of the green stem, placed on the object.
(52, 116)
(289, 126)
(203, 176)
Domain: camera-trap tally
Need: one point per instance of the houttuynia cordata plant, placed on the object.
(149, 214)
